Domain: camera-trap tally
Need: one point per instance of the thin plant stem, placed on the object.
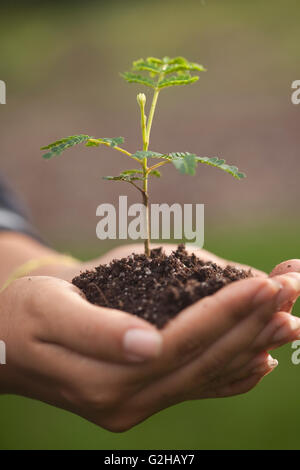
(116, 147)
(145, 168)
(122, 150)
(151, 114)
(146, 204)
(143, 126)
(137, 187)
(152, 109)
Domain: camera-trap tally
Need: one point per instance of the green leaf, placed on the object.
(131, 175)
(59, 146)
(176, 80)
(146, 65)
(141, 154)
(167, 65)
(154, 60)
(92, 144)
(135, 78)
(131, 172)
(155, 173)
(184, 162)
(176, 60)
(184, 68)
(180, 64)
(123, 177)
(112, 141)
(180, 67)
(220, 163)
(213, 161)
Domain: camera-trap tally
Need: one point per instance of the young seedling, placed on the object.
(156, 74)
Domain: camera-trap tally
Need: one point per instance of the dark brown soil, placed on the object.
(155, 288)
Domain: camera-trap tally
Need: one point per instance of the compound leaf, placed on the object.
(141, 154)
(180, 64)
(59, 146)
(154, 60)
(146, 65)
(135, 78)
(124, 176)
(220, 163)
(159, 71)
(185, 162)
(177, 80)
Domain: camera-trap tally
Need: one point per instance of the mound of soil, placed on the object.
(158, 287)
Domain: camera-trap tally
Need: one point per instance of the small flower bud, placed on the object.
(141, 99)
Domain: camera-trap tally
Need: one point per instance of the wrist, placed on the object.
(16, 250)
(40, 266)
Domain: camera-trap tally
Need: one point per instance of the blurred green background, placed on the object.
(60, 62)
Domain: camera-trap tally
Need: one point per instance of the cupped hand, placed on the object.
(116, 369)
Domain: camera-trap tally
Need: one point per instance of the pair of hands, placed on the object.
(115, 369)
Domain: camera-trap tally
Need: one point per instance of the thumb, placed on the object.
(102, 333)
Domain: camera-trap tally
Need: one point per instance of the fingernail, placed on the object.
(142, 344)
(290, 289)
(288, 332)
(270, 289)
(268, 365)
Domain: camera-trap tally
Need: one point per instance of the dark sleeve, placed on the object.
(13, 215)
